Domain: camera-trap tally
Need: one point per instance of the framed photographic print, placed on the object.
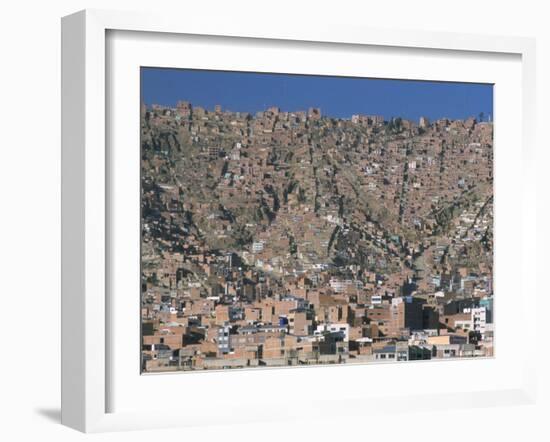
(292, 213)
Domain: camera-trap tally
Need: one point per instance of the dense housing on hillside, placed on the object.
(293, 238)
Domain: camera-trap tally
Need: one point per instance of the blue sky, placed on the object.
(338, 97)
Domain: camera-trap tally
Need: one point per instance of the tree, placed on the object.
(474, 337)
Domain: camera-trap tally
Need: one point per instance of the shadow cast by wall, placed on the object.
(51, 414)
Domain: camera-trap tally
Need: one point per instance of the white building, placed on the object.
(478, 319)
(334, 328)
(257, 246)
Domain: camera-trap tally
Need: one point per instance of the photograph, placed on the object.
(296, 220)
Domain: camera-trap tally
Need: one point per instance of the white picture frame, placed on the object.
(87, 319)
